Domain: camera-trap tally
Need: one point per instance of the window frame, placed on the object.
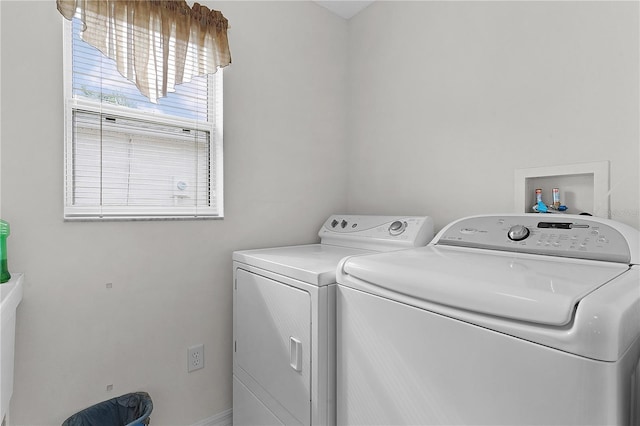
(214, 126)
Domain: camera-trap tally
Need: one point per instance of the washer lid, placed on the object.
(313, 263)
(532, 288)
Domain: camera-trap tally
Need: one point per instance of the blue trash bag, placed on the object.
(132, 409)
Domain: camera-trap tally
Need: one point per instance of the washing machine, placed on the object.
(284, 318)
(528, 319)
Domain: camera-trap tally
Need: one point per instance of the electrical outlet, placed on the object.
(195, 358)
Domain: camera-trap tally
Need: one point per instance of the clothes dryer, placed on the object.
(501, 320)
(284, 318)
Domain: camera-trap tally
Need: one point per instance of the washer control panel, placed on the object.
(377, 232)
(581, 237)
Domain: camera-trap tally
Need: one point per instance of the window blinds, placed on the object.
(124, 162)
(96, 78)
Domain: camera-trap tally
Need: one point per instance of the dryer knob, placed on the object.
(518, 233)
(397, 227)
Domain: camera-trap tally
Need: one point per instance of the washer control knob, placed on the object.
(343, 224)
(334, 223)
(397, 227)
(518, 233)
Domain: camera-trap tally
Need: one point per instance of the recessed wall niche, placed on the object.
(583, 188)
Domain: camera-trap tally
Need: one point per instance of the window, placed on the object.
(128, 158)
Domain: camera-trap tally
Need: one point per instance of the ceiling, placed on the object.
(345, 8)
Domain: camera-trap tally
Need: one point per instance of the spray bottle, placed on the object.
(4, 270)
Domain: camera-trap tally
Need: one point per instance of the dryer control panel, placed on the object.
(582, 237)
(381, 233)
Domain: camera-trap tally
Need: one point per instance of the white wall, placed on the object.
(0, 121)
(447, 99)
(284, 174)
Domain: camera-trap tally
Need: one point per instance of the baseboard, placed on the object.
(221, 419)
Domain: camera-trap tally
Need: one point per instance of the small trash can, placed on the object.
(132, 409)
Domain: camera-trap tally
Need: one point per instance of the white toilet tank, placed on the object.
(10, 297)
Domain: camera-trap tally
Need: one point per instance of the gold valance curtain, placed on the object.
(156, 44)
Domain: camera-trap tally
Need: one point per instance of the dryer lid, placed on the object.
(532, 288)
(312, 263)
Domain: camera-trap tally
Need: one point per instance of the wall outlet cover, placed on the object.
(195, 357)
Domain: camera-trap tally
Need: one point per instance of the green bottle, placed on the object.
(4, 270)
